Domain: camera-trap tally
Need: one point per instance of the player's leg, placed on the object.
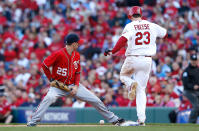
(128, 68)
(141, 76)
(50, 98)
(87, 96)
(126, 72)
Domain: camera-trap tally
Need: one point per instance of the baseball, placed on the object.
(101, 122)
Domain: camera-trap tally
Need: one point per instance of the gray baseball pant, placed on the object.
(82, 94)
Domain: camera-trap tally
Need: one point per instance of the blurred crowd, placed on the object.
(30, 30)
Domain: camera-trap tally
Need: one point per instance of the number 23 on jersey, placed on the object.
(140, 36)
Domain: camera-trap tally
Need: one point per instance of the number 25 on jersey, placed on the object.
(139, 37)
(62, 71)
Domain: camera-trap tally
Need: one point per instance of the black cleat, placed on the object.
(140, 123)
(118, 122)
(30, 124)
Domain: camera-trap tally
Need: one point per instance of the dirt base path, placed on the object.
(51, 125)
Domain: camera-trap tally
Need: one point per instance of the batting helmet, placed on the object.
(135, 10)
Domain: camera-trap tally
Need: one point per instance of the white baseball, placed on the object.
(101, 121)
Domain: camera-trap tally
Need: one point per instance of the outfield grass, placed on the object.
(149, 127)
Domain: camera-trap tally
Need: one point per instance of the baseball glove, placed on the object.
(60, 85)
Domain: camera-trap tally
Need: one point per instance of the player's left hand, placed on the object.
(108, 52)
(60, 85)
(74, 90)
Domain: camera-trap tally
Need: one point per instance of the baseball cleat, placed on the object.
(30, 124)
(118, 122)
(132, 92)
(141, 123)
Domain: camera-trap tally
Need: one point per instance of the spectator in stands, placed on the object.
(123, 100)
(167, 102)
(23, 76)
(31, 102)
(68, 102)
(109, 101)
(79, 104)
(184, 105)
(23, 61)
(5, 110)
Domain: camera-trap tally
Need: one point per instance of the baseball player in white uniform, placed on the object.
(140, 38)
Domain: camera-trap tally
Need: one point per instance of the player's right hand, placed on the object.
(108, 52)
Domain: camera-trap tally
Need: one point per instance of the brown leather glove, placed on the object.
(60, 85)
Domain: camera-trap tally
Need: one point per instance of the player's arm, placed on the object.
(47, 63)
(46, 71)
(75, 88)
(77, 80)
(122, 42)
(77, 74)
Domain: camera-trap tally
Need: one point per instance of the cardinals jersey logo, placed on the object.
(76, 64)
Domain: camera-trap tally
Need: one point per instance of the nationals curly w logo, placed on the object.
(76, 64)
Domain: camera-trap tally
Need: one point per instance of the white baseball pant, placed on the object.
(139, 67)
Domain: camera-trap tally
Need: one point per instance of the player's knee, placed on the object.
(51, 98)
(96, 101)
(126, 72)
(140, 90)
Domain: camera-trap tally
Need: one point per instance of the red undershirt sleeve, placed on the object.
(120, 43)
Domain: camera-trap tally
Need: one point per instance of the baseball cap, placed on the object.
(193, 57)
(71, 38)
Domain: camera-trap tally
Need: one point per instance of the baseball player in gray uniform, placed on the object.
(64, 78)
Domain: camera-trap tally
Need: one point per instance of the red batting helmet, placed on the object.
(134, 10)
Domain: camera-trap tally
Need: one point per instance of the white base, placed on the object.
(129, 123)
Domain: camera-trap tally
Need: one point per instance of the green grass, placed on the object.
(82, 127)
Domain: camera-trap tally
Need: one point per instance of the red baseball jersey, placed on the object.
(4, 107)
(64, 66)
